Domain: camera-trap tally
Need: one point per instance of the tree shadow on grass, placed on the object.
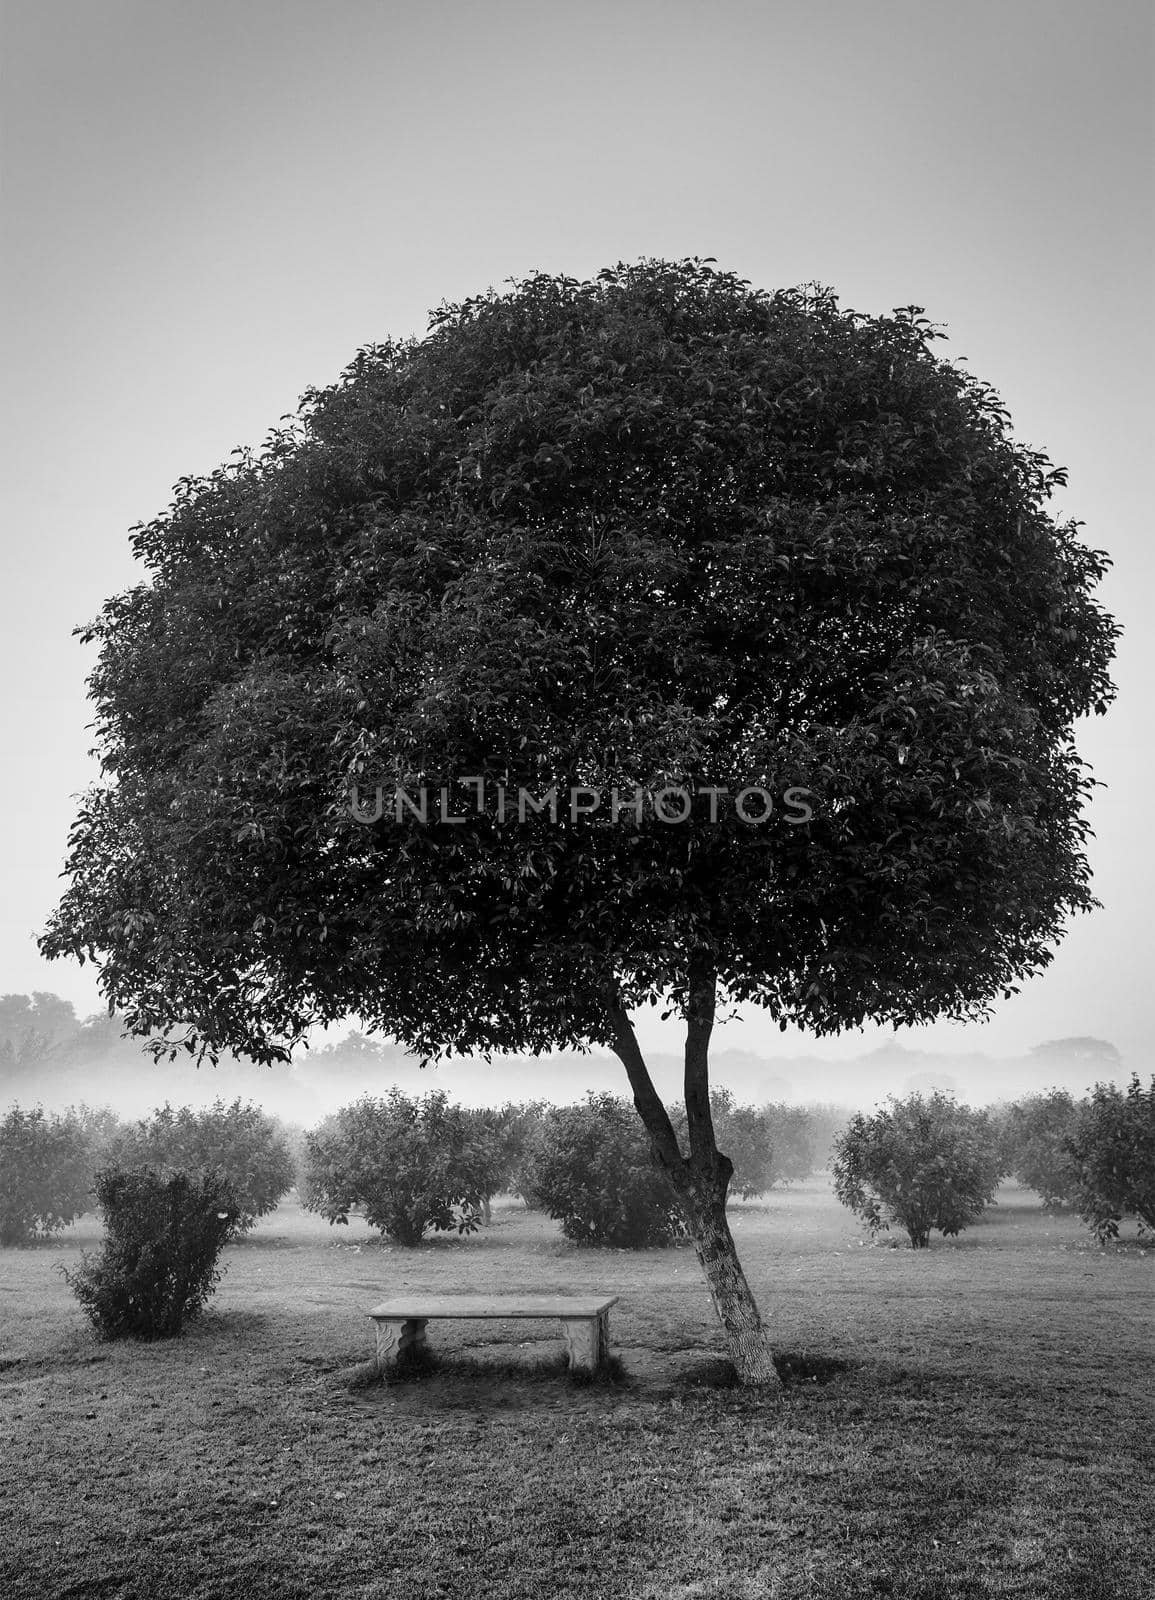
(453, 1376)
(421, 1365)
(797, 1370)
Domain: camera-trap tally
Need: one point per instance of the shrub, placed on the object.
(1036, 1132)
(924, 1163)
(405, 1162)
(102, 1128)
(164, 1231)
(743, 1134)
(825, 1123)
(496, 1143)
(1113, 1149)
(595, 1175)
(45, 1174)
(792, 1142)
(293, 1136)
(527, 1141)
(239, 1141)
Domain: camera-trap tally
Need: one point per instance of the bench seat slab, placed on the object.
(400, 1322)
(493, 1305)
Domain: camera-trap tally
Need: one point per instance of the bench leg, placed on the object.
(586, 1341)
(397, 1336)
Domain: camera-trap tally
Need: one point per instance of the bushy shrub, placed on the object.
(1035, 1135)
(495, 1148)
(45, 1173)
(825, 1122)
(408, 1163)
(102, 1128)
(164, 1231)
(792, 1142)
(595, 1175)
(293, 1136)
(1113, 1148)
(923, 1163)
(743, 1134)
(527, 1139)
(240, 1141)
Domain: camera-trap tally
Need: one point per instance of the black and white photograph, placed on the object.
(577, 1017)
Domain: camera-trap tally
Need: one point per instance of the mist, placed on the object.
(50, 1057)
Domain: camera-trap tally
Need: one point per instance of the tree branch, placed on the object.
(699, 1026)
(624, 1043)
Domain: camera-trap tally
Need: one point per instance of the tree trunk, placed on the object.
(702, 1178)
(747, 1341)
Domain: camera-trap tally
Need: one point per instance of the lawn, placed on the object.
(972, 1420)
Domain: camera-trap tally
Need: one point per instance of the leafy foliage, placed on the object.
(238, 1140)
(924, 1163)
(101, 1127)
(42, 1030)
(496, 1145)
(657, 526)
(1036, 1147)
(743, 1134)
(1113, 1148)
(409, 1164)
(45, 1173)
(825, 1122)
(594, 1173)
(792, 1141)
(164, 1232)
(527, 1138)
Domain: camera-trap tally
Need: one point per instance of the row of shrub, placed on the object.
(924, 1164)
(176, 1187)
(49, 1163)
(1094, 1156)
(411, 1165)
(928, 1164)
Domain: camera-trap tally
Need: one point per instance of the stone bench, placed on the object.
(400, 1322)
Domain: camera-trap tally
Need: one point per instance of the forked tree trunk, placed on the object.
(747, 1341)
(701, 1180)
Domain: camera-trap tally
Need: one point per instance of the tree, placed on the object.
(655, 529)
(405, 1161)
(1080, 1051)
(595, 1174)
(36, 1028)
(239, 1140)
(1113, 1148)
(925, 1163)
(1035, 1143)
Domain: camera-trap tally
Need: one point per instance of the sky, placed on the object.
(209, 208)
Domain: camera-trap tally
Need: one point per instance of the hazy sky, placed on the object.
(208, 207)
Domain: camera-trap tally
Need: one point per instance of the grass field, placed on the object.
(972, 1420)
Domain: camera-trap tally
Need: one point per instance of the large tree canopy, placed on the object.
(654, 528)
